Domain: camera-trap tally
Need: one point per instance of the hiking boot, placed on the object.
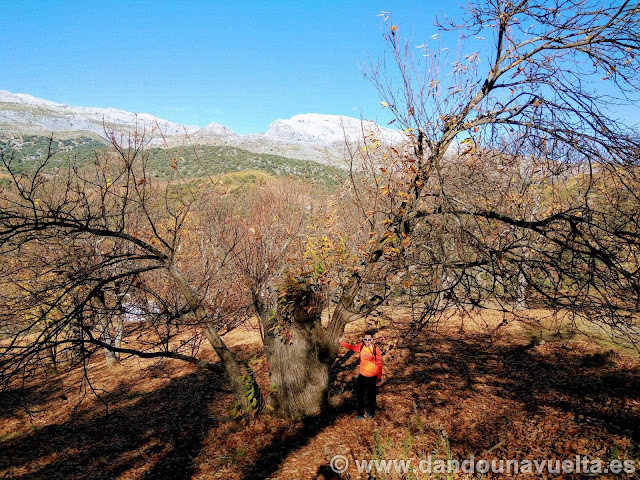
(369, 414)
(359, 417)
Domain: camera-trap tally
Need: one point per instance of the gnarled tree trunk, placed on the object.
(299, 350)
(299, 368)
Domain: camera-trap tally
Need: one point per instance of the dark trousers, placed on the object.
(366, 387)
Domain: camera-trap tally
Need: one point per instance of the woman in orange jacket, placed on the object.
(370, 376)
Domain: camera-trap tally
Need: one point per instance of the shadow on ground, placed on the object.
(160, 434)
(586, 386)
(270, 457)
(22, 399)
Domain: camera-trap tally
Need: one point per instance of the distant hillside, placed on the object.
(26, 153)
(209, 160)
(315, 137)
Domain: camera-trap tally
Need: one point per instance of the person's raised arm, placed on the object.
(353, 348)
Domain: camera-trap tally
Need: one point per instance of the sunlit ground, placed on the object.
(494, 393)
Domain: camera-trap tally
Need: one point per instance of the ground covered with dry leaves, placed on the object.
(447, 394)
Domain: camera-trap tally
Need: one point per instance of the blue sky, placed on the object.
(242, 64)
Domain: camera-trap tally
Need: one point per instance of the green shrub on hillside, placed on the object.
(26, 152)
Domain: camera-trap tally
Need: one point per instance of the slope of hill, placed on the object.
(449, 395)
(25, 153)
(206, 160)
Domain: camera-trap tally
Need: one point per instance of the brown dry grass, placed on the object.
(499, 394)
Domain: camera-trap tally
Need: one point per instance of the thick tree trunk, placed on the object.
(299, 350)
(117, 337)
(265, 303)
(110, 356)
(299, 369)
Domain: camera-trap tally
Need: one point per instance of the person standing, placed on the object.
(370, 376)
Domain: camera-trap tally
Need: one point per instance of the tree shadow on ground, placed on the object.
(585, 386)
(271, 457)
(21, 398)
(156, 433)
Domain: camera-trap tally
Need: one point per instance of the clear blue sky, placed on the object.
(239, 63)
(242, 64)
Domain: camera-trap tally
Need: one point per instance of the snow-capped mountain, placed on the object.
(312, 136)
(331, 129)
(24, 113)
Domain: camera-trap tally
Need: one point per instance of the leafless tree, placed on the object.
(517, 184)
(519, 180)
(87, 244)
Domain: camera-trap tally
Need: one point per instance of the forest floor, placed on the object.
(448, 394)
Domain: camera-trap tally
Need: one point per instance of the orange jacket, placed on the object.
(370, 364)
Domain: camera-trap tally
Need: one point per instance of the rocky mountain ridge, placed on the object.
(311, 136)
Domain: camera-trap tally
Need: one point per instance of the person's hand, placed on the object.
(379, 382)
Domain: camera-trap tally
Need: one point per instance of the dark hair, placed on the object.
(375, 347)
